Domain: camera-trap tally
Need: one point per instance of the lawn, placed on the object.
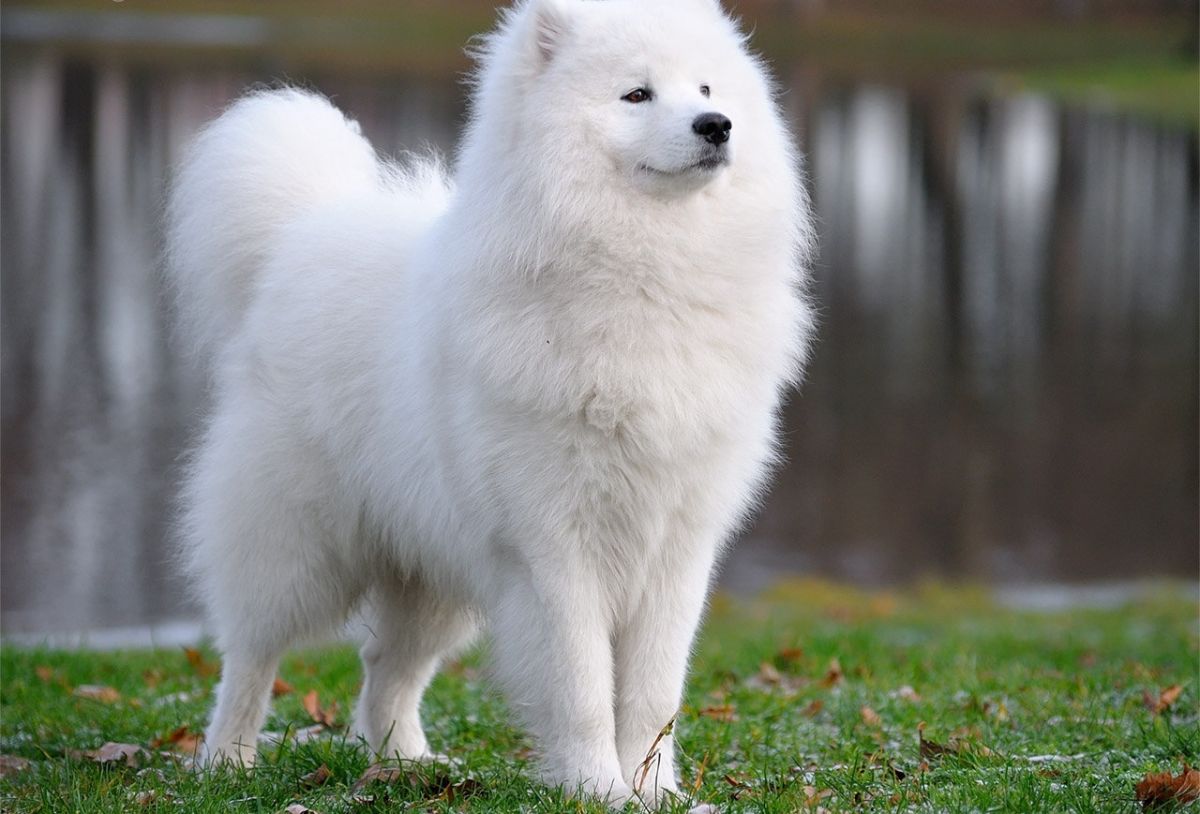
(1145, 64)
(809, 698)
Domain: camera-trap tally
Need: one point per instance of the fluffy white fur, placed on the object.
(540, 399)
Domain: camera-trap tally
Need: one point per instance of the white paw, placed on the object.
(227, 757)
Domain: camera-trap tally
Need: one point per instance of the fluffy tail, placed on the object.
(266, 160)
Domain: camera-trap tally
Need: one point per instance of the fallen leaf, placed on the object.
(768, 673)
(813, 796)
(931, 750)
(740, 788)
(46, 674)
(200, 666)
(467, 787)
(97, 692)
(319, 777)
(152, 678)
(322, 715)
(300, 808)
(430, 781)
(129, 754)
(150, 797)
(11, 764)
(383, 773)
(870, 717)
(896, 771)
(1164, 700)
(833, 675)
(814, 707)
(280, 687)
(1156, 789)
(181, 740)
(725, 712)
(790, 655)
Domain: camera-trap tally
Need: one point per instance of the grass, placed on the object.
(810, 698)
(1165, 88)
(1145, 64)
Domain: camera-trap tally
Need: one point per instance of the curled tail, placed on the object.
(266, 160)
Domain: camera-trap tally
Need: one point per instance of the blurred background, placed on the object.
(1005, 387)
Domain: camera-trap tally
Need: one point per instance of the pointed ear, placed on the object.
(549, 24)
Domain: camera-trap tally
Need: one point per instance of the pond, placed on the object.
(1005, 387)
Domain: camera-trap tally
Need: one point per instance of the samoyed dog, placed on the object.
(535, 397)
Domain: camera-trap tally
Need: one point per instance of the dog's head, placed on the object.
(662, 96)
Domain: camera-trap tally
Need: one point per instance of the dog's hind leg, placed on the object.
(266, 562)
(412, 630)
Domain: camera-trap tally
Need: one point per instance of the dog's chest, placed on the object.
(664, 381)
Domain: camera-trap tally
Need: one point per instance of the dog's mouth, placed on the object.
(710, 163)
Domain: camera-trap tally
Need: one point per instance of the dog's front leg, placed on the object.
(553, 653)
(652, 648)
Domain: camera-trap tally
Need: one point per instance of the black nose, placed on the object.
(713, 127)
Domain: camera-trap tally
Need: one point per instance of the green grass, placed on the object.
(1144, 64)
(998, 687)
(1166, 88)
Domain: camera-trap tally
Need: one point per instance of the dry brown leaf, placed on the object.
(724, 712)
(97, 692)
(182, 740)
(790, 655)
(740, 788)
(1161, 788)
(1164, 700)
(833, 675)
(382, 773)
(318, 777)
(152, 678)
(200, 666)
(768, 673)
(11, 764)
(931, 750)
(813, 796)
(870, 717)
(431, 782)
(129, 754)
(46, 674)
(814, 707)
(280, 687)
(322, 715)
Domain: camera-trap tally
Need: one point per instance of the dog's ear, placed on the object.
(548, 25)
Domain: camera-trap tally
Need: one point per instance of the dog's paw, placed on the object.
(231, 756)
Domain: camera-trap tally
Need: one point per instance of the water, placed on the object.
(1005, 387)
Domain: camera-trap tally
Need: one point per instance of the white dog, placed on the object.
(541, 397)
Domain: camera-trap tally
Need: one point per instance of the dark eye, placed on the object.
(705, 90)
(637, 96)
